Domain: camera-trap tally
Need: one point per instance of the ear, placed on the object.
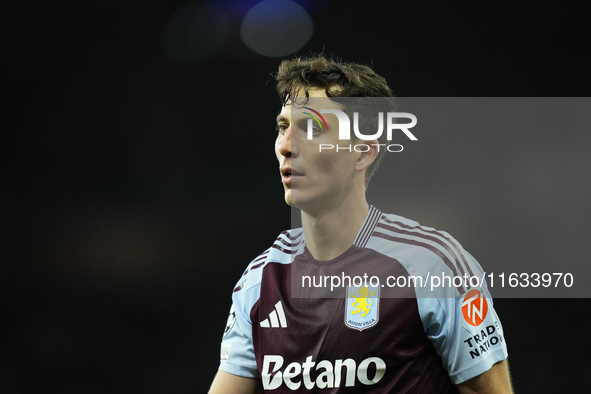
(365, 159)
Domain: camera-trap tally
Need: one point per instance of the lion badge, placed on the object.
(362, 306)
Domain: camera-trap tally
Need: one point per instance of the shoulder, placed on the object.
(422, 249)
(411, 232)
(286, 244)
(395, 229)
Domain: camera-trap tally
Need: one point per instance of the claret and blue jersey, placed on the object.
(363, 337)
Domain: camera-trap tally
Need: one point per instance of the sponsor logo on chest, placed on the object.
(324, 374)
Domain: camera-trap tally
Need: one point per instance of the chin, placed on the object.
(291, 200)
(296, 201)
(288, 197)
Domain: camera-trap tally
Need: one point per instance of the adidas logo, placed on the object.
(277, 318)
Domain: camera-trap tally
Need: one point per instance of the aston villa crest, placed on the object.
(362, 306)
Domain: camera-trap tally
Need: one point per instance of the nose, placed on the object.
(284, 143)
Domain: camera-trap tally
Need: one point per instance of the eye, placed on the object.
(282, 128)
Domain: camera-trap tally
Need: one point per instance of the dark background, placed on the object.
(138, 184)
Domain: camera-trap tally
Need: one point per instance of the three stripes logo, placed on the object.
(276, 318)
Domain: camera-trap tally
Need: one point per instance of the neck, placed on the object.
(330, 232)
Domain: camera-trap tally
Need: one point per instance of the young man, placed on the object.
(412, 339)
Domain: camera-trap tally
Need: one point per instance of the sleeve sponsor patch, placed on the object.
(225, 352)
(482, 332)
(480, 343)
(474, 307)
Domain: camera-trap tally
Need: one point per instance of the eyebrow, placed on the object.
(281, 118)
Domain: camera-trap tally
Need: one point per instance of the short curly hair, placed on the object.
(339, 79)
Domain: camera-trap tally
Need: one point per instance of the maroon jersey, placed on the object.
(292, 328)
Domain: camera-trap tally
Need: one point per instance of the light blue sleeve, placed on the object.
(465, 330)
(237, 351)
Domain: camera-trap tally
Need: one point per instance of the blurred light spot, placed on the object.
(276, 28)
(194, 32)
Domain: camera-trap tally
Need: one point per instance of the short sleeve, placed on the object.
(465, 330)
(467, 334)
(237, 351)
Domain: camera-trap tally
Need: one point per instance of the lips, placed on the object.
(288, 174)
(291, 172)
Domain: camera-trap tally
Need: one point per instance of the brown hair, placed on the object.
(339, 79)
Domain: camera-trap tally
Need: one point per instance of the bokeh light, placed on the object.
(276, 28)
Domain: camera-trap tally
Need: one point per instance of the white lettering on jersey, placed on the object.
(328, 375)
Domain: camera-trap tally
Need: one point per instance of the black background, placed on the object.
(136, 188)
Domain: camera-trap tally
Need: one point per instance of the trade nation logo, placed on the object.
(474, 307)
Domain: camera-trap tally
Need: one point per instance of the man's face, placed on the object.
(312, 179)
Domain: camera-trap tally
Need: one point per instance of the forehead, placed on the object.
(317, 99)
